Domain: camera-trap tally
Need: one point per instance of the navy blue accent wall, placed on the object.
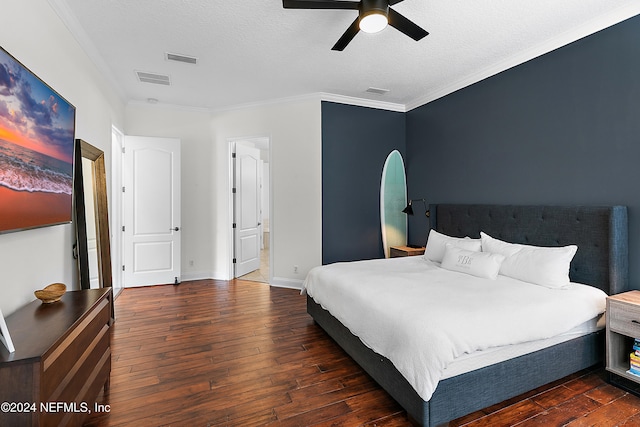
(563, 128)
(355, 144)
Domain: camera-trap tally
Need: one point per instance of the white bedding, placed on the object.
(490, 356)
(423, 317)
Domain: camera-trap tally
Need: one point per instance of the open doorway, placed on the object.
(251, 203)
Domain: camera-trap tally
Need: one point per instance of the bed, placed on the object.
(600, 261)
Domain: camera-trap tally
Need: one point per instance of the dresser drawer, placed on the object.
(61, 365)
(624, 318)
(83, 375)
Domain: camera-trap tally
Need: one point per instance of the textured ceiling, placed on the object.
(254, 51)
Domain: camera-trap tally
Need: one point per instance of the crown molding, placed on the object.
(319, 97)
(614, 17)
(267, 102)
(363, 102)
(67, 17)
(206, 110)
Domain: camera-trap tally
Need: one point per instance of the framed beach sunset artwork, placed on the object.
(37, 134)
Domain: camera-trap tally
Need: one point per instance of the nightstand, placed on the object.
(398, 251)
(623, 325)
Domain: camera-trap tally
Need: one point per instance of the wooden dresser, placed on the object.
(62, 360)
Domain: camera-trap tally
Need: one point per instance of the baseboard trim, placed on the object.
(283, 282)
(196, 275)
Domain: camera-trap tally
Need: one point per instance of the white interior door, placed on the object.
(152, 211)
(247, 211)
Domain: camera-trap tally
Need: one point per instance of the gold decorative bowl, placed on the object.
(51, 293)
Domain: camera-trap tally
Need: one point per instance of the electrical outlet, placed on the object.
(295, 269)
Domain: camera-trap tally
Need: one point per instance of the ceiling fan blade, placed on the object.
(319, 4)
(347, 36)
(392, 2)
(402, 24)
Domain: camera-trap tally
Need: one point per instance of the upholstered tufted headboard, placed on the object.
(599, 232)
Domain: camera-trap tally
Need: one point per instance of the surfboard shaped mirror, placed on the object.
(393, 198)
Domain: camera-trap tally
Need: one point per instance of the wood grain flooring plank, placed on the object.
(563, 413)
(611, 414)
(555, 396)
(314, 416)
(335, 396)
(509, 416)
(633, 421)
(605, 393)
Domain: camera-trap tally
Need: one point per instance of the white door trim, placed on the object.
(230, 176)
(117, 211)
(247, 208)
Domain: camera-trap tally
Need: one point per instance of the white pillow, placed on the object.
(437, 242)
(489, 244)
(481, 264)
(545, 266)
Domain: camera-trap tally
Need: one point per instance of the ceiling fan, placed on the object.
(373, 16)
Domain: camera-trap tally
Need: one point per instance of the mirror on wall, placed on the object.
(92, 217)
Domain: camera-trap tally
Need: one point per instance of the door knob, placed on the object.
(175, 229)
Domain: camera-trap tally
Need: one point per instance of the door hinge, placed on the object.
(234, 260)
(123, 268)
(123, 189)
(122, 150)
(123, 228)
(233, 155)
(234, 225)
(233, 190)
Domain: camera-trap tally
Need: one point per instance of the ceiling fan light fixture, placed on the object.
(373, 22)
(373, 16)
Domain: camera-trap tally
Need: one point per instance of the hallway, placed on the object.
(261, 274)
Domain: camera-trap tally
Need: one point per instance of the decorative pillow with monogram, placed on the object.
(480, 264)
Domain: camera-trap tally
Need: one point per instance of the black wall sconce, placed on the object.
(409, 209)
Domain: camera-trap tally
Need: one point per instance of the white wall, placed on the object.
(296, 173)
(33, 33)
(294, 128)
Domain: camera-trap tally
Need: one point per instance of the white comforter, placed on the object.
(421, 317)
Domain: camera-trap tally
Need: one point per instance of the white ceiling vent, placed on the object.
(159, 79)
(377, 90)
(181, 58)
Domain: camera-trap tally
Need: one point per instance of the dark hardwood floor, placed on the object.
(239, 353)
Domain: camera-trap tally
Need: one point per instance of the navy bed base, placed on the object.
(601, 261)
